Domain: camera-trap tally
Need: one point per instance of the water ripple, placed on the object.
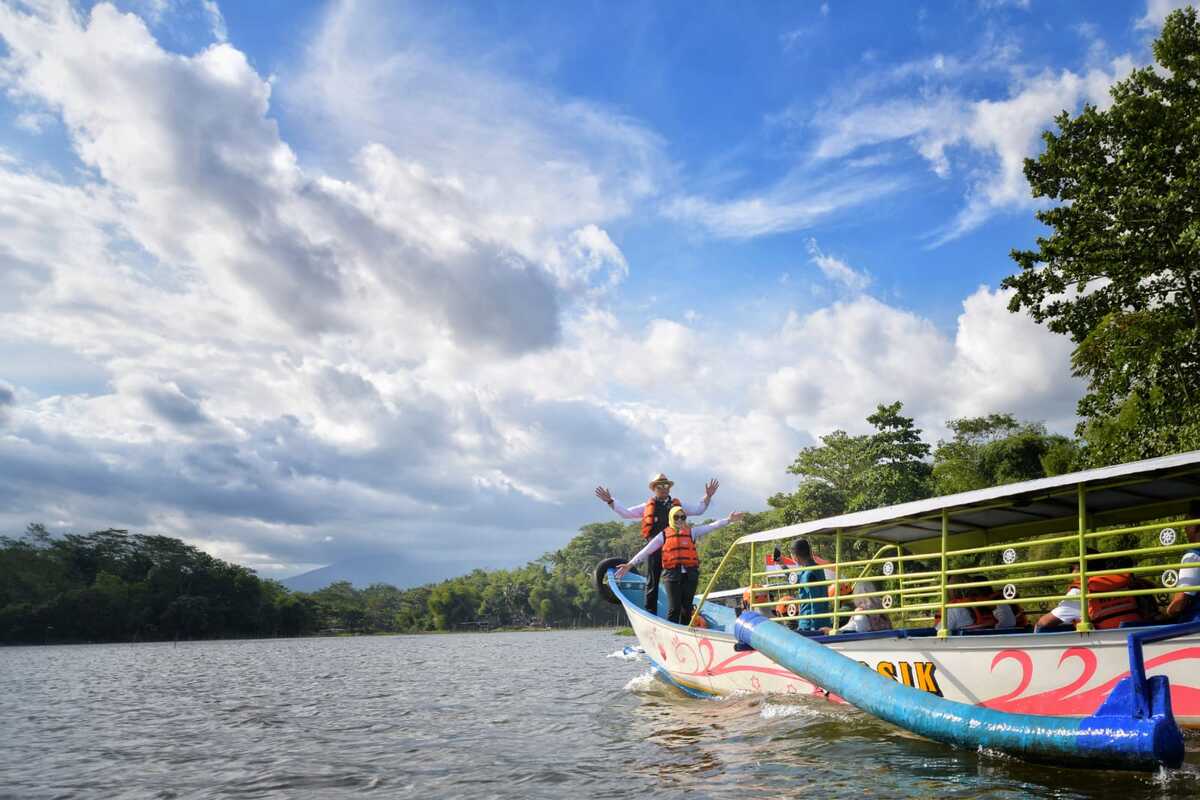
(467, 716)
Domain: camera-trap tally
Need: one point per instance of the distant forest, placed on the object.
(1116, 269)
(114, 586)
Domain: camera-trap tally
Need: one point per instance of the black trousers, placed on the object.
(653, 573)
(681, 591)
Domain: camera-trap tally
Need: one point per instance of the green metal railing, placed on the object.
(918, 595)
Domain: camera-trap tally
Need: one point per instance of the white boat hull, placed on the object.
(1066, 674)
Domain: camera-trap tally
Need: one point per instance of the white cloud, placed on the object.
(796, 203)
(837, 270)
(839, 362)
(528, 161)
(1157, 11)
(410, 343)
(1009, 131)
(990, 137)
(216, 21)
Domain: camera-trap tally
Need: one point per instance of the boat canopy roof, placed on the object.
(1116, 488)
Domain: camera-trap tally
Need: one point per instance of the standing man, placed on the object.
(653, 514)
(676, 546)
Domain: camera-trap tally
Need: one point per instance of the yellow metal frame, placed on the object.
(907, 586)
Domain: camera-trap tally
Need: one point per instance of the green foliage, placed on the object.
(997, 449)
(851, 473)
(1119, 271)
(113, 586)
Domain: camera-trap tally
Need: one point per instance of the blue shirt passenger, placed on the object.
(811, 599)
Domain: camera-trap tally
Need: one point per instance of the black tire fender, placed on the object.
(600, 576)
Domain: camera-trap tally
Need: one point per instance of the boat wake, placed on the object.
(645, 683)
(628, 653)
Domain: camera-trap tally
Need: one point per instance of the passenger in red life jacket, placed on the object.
(653, 514)
(1103, 612)
(680, 561)
(958, 617)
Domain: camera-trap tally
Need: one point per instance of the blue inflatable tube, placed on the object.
(1133, 729)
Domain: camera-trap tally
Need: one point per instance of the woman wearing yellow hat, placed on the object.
(653, 514)
(680, 561)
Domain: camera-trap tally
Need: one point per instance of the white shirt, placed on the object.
(958, 618)
(1005, 618)
(859, 623)
(655, 544)
(1190, 576)
(1068, 610)
(636, 512)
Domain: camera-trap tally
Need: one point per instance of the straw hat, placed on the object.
(660, 478)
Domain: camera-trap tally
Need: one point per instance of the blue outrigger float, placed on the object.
(1113, 698)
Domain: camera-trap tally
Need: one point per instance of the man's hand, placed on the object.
(710, 488)
(735, 516)
(621, 571)
(605, 495)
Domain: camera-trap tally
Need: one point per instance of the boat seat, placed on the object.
(897, 633)
(1140, 623)
(991, 631)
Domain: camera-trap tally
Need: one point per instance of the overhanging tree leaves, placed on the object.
(1119, 271)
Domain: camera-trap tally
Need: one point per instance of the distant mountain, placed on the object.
(365, 570)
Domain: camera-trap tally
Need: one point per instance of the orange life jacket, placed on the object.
(787, 607)
(678, 549)
(654, 515)
(1110, 612)
(759, 597)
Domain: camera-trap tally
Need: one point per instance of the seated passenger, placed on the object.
(1002, 615)
(1185, 605)
(759, 597)
(1103, 612)
(865, 623)
(957, 617)
(812, 598)
(1008, 615)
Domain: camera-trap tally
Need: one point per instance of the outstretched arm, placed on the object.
(653, 545)
(703, 530)
(634, 512)
(710, 489)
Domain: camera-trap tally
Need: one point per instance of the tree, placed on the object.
(897, 470)
(996, 449)
(1119, 271)
(852, 473)
(452, 603)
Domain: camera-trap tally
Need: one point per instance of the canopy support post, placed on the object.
(942, 632)
(837, 577)
(1084, 624)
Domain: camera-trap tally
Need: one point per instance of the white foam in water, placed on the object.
(642, 683)
(778, 711)
(628, 653)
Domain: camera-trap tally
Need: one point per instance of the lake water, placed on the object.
(516, 715)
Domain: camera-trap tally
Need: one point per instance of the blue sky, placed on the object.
(305, 281)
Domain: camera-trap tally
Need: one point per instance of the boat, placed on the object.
(1126, 519)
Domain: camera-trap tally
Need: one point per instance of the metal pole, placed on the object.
(1084, 623)
(837, 576)
(711, 583)
(942, 632)
(750, 579)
